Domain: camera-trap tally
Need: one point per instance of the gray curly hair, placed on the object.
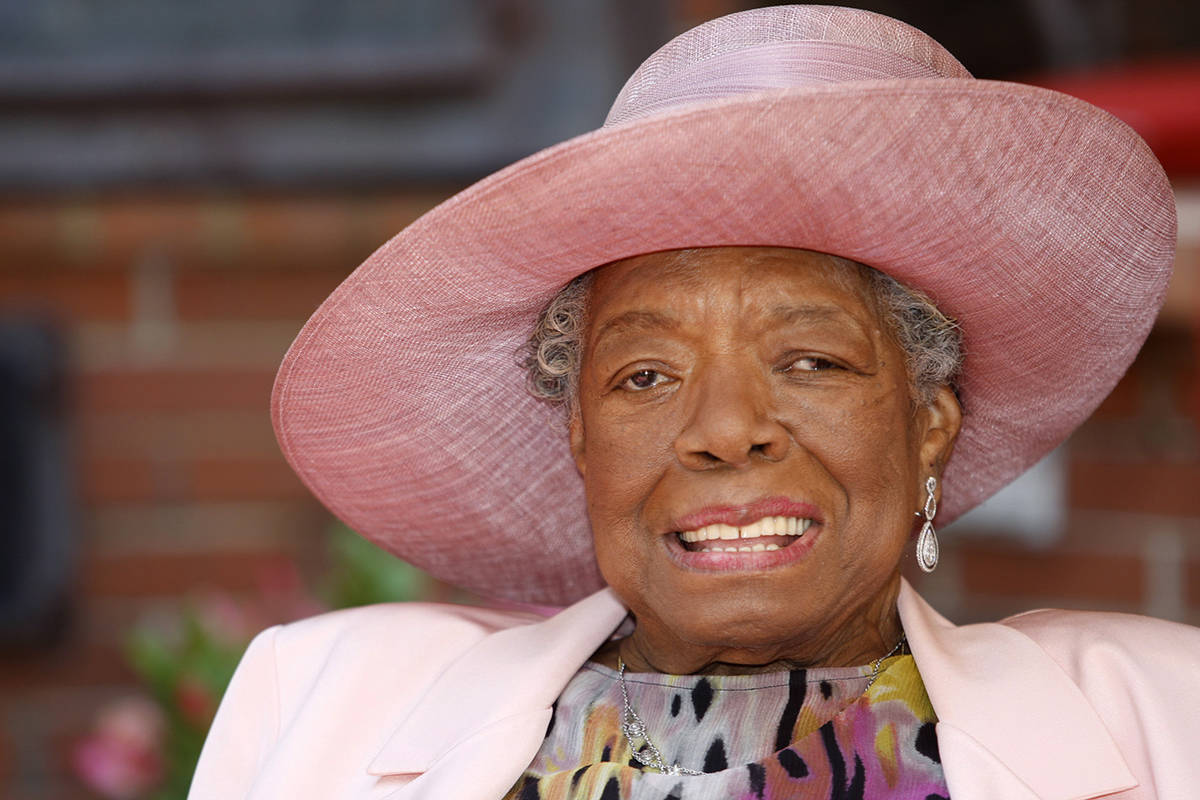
(931, 341)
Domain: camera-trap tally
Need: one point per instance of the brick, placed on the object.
(1115, 534)
(28, 227)
(1193, 584)
(1192, 396)
(171, 575)
(1156, 383)
(1124, 401)
(989, 569)
(186, 528)
(246, 480)
(1150, 437)
(1180, 306)
(202, 232)
(254, 295)
(338, 228)
(165, 436)
(129, 223)
(6, 757)
(1154, 487)
(694, 12)
(197, 345)
(79, 664)
(52, 234)
(116, 482)
(311, 224)
(1186, 378)
(100, 296)
(176, 390)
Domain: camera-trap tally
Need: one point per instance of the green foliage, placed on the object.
(363, 574)
(185, 661)
(185, 669)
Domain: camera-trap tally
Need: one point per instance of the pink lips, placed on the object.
(741, 516)
(744, 515)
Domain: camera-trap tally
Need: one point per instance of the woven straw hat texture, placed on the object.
(1043, 224)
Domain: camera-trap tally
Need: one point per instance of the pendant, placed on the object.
(927, 548)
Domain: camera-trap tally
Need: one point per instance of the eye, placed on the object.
(642, 380)
(810, 364)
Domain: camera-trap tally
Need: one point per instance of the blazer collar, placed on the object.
(1000, 697)
(508, 673)
(1006, 710)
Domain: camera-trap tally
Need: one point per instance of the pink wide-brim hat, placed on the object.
(1041, 223)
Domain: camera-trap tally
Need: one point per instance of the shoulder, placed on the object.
(1136, 673)
(359, 651)
(1090, 641)
(368, 663)
(353, 671)
(389, 620)
(389, 632)
(1110, 637)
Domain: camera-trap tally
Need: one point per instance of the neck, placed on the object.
(859, 639)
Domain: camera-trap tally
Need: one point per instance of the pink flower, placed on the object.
(122, 757)
(196, 701)
(284, 596)
(224, 618)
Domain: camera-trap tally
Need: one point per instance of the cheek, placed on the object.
(621, 473)
(885, 469)
(626, 459)
(867, 449)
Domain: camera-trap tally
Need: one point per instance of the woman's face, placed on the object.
(751, 398)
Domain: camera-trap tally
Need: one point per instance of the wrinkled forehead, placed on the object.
(684, 275)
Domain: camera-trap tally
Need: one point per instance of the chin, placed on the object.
(747, 619)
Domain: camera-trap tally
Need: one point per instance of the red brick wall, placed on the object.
(177, 311)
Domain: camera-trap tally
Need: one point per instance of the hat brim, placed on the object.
(1041, 223)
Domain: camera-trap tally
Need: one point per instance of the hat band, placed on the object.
(776, 65)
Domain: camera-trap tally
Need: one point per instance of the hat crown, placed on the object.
(780, 47)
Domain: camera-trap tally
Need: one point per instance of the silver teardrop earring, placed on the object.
(927, 543)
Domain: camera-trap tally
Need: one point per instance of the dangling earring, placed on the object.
(927, 543)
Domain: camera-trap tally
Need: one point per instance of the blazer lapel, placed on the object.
(482, 721)
(1012, 724)
(1008, 712)
(974, 772)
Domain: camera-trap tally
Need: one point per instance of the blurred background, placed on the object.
(182, 183)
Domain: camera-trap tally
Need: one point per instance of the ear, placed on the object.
(943, 419)
(575, 431)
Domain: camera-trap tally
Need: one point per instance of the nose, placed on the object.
(730, 422)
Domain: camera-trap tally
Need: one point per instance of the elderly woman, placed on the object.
(819, 284)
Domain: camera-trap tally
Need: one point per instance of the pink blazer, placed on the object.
(410, 701)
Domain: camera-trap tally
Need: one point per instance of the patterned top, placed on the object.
(816, 734)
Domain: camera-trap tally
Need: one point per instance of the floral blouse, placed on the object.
(816, 734)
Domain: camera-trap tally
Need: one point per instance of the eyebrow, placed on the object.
(636, 320)
(810, 313)
(654, 320)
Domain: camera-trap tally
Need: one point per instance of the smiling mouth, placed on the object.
(768, 533)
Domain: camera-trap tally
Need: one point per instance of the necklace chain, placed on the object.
(634, 727)
(878, 661)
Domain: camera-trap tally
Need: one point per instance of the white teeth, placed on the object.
(767, 526)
